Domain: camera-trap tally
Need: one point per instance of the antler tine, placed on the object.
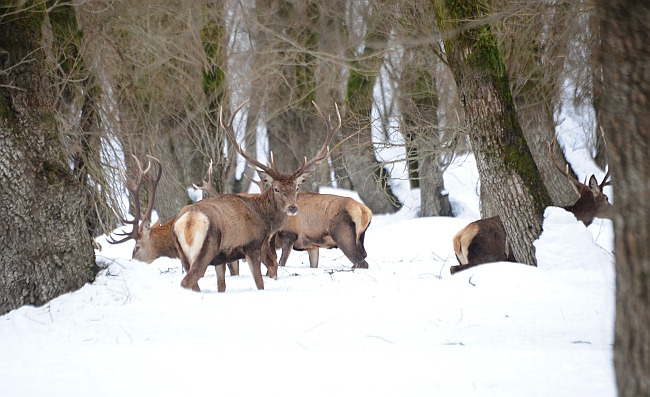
(579, 185)
(259, 183)
(324, 152)
(207, 185)
(133, 186)
(152, 184)
(231, 135)
(605, 182)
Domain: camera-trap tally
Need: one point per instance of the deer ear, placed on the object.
(264, 177)
(303, 178)
(593, 184)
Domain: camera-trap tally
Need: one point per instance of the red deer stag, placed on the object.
(231, 227)
(485, 240)
(324, 221)
(155, 241)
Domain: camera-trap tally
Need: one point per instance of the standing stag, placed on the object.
(151, 241)
(324, 221)
(232, 227)
(485, 240)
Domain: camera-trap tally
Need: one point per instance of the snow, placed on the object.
(403, 327)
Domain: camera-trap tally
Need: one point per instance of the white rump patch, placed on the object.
(191, 229)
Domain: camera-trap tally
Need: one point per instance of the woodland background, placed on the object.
(84, 85)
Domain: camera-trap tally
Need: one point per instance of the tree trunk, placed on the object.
(418, 102)
(294, 128)
(625, 35)
(369, 178)
(46, 248)
(534, 62)
(330, 78)
(505, 164)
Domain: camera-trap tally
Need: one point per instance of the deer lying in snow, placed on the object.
(485, 240)
(231, 227)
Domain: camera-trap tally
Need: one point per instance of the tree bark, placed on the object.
(625, 35)
(534, 54)
(368, 176)
(418, 102)
(45, 247)
(504, 161)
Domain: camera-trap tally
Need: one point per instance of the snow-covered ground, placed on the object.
(404, 327)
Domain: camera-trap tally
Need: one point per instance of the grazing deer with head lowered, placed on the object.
(231, 227)
(485, 240)
(324, 221)
(151, 241)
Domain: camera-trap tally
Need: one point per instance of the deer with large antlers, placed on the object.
(231, 227)
(486, 241)
(151, 241)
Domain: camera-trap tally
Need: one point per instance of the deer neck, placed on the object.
(584, 209)
(163, 237)
(272, 213)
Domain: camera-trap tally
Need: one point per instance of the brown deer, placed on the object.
(231, 227)
(485, 240)
(324, 221)
(151, 241)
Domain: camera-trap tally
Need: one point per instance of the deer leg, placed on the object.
(221, 276)
(233, 267)
(346, 239)
(288, 239)
(313, 257)
(270, 260)
(457, 268)
(254, 262)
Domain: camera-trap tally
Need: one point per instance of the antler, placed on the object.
(231, 135)
(133, 186)
(324, 152)
(576, 183)
(273, 169)
(152, 184)
(207, 185)
(579, 185)
(259, 183)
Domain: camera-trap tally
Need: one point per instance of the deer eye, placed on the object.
(275, 189)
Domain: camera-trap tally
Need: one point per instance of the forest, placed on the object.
(89, 87)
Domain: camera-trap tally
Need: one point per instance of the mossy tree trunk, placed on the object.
(505, 164)
(368, 176)
(213, 38)
(625, 34)
(534, 55)
(45, 247)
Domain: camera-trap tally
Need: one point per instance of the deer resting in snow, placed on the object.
(231, 227)
(485, 240)
(151, 241)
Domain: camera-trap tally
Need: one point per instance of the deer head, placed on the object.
(283, 186)
(144, 249)
(592, 202)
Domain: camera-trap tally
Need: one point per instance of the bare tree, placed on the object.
(626, 69)
(419, 103)
(369, 177)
